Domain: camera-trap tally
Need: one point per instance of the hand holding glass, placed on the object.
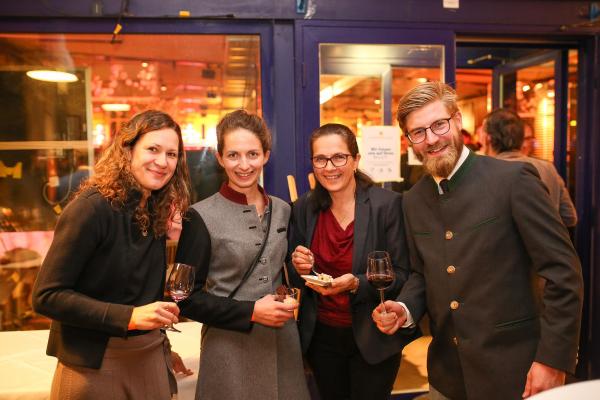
(180, 285)
(380, 273)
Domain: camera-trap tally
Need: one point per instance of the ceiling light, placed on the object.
(52, 76)
(116, 107)
(377, 101)
(526, 88)
(550, 93)
(421, 80)
(144, 64)
(538, 86)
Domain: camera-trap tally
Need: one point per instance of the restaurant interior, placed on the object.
(63, 96)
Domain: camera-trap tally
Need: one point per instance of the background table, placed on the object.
(588, 390)
(26, 371)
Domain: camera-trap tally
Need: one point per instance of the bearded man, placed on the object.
(480, 232)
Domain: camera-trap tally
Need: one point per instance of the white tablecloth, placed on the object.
(588, 390)
(26, 371)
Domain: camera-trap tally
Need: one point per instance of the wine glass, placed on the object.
(180, 285)
(380, 273)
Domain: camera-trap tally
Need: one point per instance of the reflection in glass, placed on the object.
(361, 85)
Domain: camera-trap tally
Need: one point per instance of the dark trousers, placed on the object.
(340, 370)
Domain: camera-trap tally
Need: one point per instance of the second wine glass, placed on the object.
(380, 272)
(180, 285)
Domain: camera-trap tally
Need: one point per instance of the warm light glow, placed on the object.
(526, 88)
(52, 76)
(338, 87)
(163, 88)
(211, 136)
(191, 137)
(421, 80)
(98, 135)
(550, 93)
(573, 122)
(377, 101)
(116, 107)
(538, 86)
(145, 64)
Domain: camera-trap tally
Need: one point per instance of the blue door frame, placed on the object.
(309, 34)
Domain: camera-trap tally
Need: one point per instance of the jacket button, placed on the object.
(455, 340)
(454, 304)
(449, 235)
(451, 269)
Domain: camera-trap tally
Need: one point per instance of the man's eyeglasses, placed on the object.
(439, 127)
(337, 160)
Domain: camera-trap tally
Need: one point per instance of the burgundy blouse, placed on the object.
(332, 248)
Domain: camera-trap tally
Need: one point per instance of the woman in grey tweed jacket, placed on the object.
(250, 343)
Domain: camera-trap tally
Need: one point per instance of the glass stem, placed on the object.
(382, 300)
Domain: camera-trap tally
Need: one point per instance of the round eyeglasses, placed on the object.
(439, 127)
(337, 160)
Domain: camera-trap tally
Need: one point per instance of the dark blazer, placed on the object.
(98, 268)
(476, 253)
(378, 225)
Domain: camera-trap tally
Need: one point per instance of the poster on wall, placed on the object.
(380, 153)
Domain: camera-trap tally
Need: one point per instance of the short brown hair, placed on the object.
(505, 129)
(423, 94)
(242, 119)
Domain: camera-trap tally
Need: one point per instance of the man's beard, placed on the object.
(441, 166)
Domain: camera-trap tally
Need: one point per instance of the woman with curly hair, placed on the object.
(102, 280)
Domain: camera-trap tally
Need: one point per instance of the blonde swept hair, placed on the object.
(423, 94)
(114, 180)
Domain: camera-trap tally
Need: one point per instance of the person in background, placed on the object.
(504, 135)
(332, 229)
(529, 141)
(250, 344)
(102, 280)
(495, 335)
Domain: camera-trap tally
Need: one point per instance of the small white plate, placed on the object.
(315, 281)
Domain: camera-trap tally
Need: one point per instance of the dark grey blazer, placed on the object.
(475, 254)
(378, 225)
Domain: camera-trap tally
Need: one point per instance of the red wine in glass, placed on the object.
(380, 273)
(180, 285)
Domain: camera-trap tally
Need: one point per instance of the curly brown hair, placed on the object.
(114, 180)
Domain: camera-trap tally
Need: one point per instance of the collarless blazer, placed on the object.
(378, 225)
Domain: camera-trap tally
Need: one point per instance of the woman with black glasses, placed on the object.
(332, 229)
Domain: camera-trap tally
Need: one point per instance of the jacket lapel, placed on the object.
(361, 226)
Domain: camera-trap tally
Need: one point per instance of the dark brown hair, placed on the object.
(240, 119)
(114, 180)
(321, 195)
(505, 129)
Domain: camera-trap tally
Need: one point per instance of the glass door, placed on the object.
(536, 87)
(355, 74)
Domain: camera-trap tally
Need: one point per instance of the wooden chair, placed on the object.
(171, 251)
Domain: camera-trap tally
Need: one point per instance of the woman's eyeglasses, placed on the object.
(337, 160)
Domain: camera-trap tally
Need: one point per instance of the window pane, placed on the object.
(51, 132)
